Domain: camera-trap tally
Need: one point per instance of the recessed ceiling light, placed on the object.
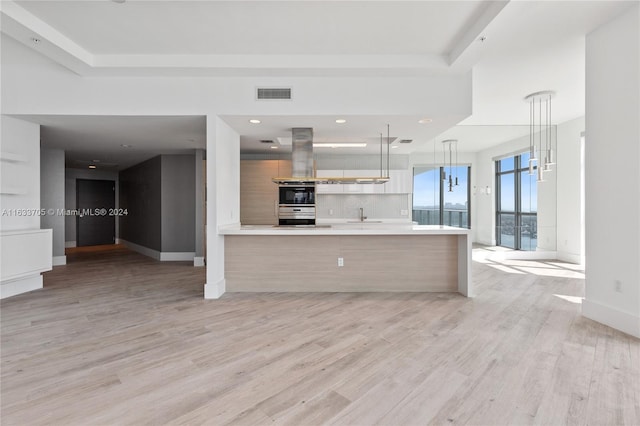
(394, 146)
(339, 145)
(425, 120)
(273, 147)
(255, 121)
(92, 166)
(341, 121)
(124, 145)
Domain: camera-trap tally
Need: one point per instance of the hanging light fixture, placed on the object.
(452, 145)
(540, 134)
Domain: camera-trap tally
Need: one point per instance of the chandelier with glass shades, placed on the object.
(540, 133)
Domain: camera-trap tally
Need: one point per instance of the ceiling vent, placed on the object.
(266, 141)
(406, 140)
(273, 93)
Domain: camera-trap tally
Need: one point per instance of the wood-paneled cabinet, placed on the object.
(258, 194)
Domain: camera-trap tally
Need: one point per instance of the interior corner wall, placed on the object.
(612, 179)
(140, 196)
(178, 203)
(52, 194)
(223, 198)
(570, 191)
(70, 198)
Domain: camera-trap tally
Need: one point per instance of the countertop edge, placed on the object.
(343, 230)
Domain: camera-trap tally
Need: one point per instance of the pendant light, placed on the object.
(540, 134)
(452, 145)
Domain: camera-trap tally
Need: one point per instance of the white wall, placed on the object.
(612, 155)
(32, 84)
(223, 198)
(22, 176)
(570, 192)
(52, 195)
(20, 207)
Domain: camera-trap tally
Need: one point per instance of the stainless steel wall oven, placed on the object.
(297, 205)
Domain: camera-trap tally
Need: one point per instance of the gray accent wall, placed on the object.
(140, 195)
(199, 202)
(159, 196)
(178, 203)
(52, 196)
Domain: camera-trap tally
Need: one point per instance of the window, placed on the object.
(516, 204)
(434, 204)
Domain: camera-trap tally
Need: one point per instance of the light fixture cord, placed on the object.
(388, 149)
(380, 154)
(456, 163)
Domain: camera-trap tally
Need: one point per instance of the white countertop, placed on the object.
(344, 229)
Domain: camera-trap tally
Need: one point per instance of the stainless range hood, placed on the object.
(302, 166)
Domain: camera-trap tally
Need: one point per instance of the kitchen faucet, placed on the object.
(362, 216)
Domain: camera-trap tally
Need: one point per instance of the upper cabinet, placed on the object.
(400, 182)
(363, 188)
(329, 188)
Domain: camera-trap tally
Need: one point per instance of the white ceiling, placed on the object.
(89, 138)
(258, 27)
(529, 46)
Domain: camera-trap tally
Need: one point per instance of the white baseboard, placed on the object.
(177, 256)
(516, 255)
(19, 286)
(607, 315)
(215, 291)
(59, 260)
(154, 254)
(570, 258)
(198, 261)
(70, 244)
(158, 255)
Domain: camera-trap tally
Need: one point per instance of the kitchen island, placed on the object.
(352, 257)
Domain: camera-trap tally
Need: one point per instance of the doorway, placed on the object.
(95, 219)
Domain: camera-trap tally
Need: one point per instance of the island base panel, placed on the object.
(264, 263)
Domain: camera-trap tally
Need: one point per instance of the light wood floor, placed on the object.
(117, 338)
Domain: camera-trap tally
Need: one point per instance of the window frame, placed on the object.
(442, 189)
(517, 170)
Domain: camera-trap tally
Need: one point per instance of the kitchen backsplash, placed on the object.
(376, 206)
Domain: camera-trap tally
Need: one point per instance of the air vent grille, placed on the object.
(273, 93)
(266, 141)
(406, 140)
